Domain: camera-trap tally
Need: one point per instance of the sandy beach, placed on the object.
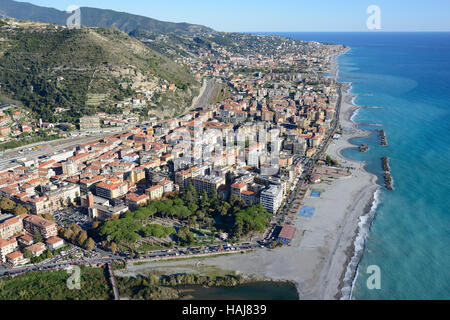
(323, 246)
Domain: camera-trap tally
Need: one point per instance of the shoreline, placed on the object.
(349, 110)
(360, 213)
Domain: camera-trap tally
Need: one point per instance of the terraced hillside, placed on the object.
(86, 70)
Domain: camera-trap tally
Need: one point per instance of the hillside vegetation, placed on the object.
(101, 65)
(93, 17)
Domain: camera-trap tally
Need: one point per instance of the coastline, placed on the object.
(371, 197)
(349, 111)
(320, 259)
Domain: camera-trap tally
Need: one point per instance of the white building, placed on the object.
(271, 198)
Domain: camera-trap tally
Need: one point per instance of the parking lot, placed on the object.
(68, 216)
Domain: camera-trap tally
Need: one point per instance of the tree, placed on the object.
(190, 194)
(76, 229)
(193, 220)
(6, 204)
(201, 215)
(28, 254)
(204, 203)
(185, 237)
(124, 229)
(113, 247)
(251, 219)
(214, 198)
(96, 224)
(49, 217)
(233, 199)
(90, 244)
(224, 208)
(331, 162)
(68, 234)
(37, 237)
(158, 231)
(82, 237)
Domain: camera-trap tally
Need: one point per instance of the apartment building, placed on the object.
(207, 183)
(110, 190)
(88, 122)
(155, 192)
(10, 228)
(134, 201)
(271, 198)
(54, 243)
(16, 258)
(37, 249)
(7, 247)
(34, 224)
(70, 168)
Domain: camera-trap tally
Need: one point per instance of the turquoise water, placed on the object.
(408, 75)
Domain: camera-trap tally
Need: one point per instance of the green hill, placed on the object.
(93, 17)
(98, 65)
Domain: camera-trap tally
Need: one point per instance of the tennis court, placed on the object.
(315, 194)
(307, 212)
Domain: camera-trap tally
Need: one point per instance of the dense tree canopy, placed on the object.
(121, 230)
(158, 231)
(253, 219)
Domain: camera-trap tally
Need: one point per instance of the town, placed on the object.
(226, 175)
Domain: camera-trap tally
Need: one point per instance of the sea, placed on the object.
(403, 247)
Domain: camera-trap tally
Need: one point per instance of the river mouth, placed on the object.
(264, 290)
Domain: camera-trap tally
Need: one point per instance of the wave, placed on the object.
(354, 115)
(364, 225)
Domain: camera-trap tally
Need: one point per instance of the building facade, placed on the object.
(271, 198)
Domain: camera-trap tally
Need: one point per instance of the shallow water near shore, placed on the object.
(408, 75)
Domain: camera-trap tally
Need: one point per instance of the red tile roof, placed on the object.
(288, 232)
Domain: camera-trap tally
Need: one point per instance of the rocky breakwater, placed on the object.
(389, 182)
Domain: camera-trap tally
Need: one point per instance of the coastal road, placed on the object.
(156, 255)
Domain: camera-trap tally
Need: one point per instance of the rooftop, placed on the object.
(288, 232)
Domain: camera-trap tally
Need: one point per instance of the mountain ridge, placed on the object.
(95, 17)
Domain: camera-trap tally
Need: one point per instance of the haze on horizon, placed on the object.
(281, 15)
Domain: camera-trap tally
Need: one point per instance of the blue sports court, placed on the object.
(307, 212)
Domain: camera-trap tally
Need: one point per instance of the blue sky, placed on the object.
(281, 15)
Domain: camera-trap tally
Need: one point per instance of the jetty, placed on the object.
(389, 182)
(383, 139)
(371, 107)
(363, 148)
